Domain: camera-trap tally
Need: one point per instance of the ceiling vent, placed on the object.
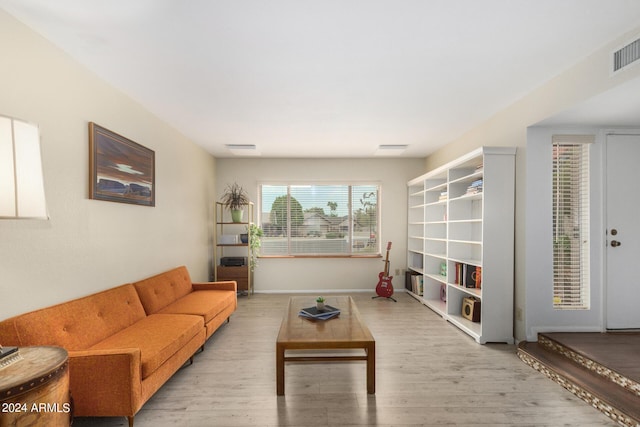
(390, 149)
(626, 56)
(243, 149)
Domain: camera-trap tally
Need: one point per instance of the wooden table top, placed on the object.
(38, 366)
(340, 332)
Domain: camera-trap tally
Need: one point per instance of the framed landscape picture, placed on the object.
(120, 170)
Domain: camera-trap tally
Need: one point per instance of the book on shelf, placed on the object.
(417, 284)
(471, 191)
(475, 187)
(313, 313)
(468, 276)
(443, 196)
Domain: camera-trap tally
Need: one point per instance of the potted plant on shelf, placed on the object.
(255, 241)
(235, 198)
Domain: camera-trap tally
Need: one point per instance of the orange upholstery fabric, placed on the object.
(106, 383)
(158, 337)
(215, 323)
(214, 301)
(161, 290)
(228, 285)
(9, 333)
(126, 342)
(81, 323)
(207, 304)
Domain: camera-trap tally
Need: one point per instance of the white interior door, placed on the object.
(623, 232)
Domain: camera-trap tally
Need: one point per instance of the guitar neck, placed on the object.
(386, 260)
(386, 265)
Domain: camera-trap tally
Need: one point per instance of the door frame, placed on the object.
(603, 230)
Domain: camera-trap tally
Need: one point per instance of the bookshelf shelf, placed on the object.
(468, 261)
(437, 277)
(470, 242)
(434, 255)
(437, 188)
(471, 291)
(475, 196)
(465, 211)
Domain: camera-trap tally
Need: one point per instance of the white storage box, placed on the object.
(228, 239)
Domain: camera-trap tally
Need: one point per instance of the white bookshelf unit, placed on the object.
(461, 215)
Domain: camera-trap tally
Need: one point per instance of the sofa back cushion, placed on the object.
(77, 324)
(159, 291)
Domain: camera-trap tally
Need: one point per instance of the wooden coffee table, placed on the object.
(347, 331)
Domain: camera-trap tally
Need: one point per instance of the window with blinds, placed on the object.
(571, 272)
(320, 220)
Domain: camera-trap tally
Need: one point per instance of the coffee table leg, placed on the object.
(279, 369)
(371, 368)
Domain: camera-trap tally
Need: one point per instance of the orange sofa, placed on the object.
(126, 342)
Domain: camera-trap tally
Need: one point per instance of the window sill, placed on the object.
(323, 256)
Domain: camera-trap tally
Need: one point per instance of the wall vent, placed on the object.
(625, 56)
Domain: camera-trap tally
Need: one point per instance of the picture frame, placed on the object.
(120, 170)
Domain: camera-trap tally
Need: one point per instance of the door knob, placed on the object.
(615, 243)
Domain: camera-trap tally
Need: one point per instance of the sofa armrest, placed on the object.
(105, 382)
(229, 285)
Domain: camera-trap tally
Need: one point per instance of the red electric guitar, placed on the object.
(384, 288)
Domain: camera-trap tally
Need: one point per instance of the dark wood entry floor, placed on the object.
(619, 351)
(601, 368)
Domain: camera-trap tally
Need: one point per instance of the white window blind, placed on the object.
(571, 271)
(319, 220)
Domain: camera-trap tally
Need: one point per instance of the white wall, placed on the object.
(585, 80)
(312, 274)
(89, 245)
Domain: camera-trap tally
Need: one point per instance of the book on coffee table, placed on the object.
(325, 316)
(314, 312)
(319, 317)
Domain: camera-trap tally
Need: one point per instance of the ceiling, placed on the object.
(327, 78)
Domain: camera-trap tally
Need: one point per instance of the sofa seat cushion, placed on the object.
(158, 337)
(207, 304)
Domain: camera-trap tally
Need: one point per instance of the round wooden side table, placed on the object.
(34, 391)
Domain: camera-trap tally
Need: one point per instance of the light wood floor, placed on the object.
(428, 374)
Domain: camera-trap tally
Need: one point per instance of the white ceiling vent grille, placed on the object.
(625, 56)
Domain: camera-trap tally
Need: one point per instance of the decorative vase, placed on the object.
(236, 215)
(244, 238)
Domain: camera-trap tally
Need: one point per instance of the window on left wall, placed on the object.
(321, 220)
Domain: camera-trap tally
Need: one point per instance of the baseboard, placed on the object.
(533, 337)
(313, 291)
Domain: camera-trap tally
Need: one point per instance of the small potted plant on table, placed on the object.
(320, 303)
